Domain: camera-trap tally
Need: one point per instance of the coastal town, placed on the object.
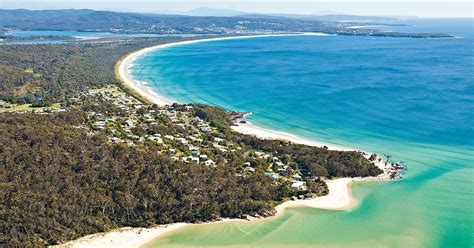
(178, 132)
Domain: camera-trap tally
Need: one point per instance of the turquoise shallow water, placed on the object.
(410, 98)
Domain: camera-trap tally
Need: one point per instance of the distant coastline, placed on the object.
(339, 197)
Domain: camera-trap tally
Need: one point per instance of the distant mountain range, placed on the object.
(213, 12)
(322, 15)
(107, 21)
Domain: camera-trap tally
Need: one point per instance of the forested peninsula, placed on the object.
(81, 155)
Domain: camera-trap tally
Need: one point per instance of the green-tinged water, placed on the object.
(410, 98)
(430, 208)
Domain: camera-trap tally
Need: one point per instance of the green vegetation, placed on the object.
(110, 160)
(59, 183)
(44, 74)
(61, 180)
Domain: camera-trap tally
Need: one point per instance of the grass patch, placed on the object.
(27, 107)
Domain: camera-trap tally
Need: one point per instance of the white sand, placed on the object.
(123, 237)
(339, 197)
(249, 128)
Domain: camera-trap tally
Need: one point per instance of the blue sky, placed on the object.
(423, 8)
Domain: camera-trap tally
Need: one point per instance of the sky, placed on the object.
(421, 8)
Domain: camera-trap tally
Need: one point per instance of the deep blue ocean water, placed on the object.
(410, 98)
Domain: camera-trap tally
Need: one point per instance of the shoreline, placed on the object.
(263, 133)
(339, 199)
(340, 193)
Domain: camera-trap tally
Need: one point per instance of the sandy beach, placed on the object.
(249, 128)
(339, 197)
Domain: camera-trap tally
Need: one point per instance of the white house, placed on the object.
(299, 185)
(209, 162)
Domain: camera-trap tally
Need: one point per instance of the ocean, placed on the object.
(412, 99)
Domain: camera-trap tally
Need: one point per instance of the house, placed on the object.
(279, 163)
(259, 154)
(205, 129)
(299, 185)
(250, 169)
(203, 157)
(197, 120)
(296, 176)
(209, 162)
(191, 158)
(100, 124)
(157, 139)
(272, 175)
(196, 152)
(283, 172)
(129, 123)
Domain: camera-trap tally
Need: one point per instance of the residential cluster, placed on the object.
(177, 131)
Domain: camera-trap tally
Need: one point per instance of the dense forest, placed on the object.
(43, 74)
(59, 183)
